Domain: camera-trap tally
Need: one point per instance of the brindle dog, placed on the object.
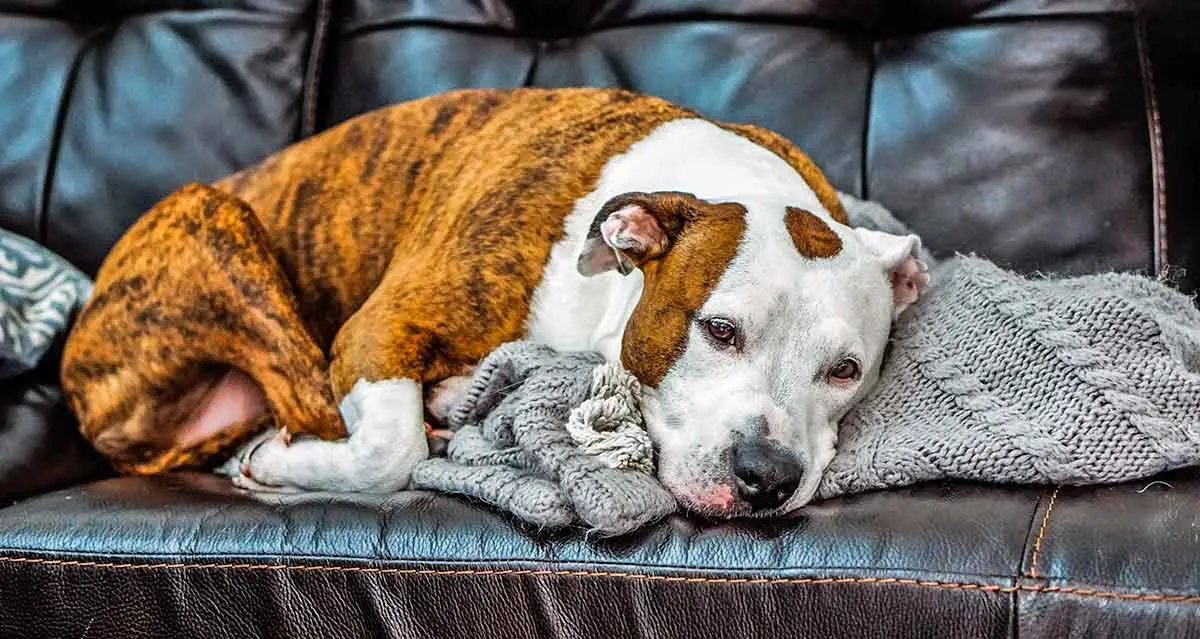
(405, 243)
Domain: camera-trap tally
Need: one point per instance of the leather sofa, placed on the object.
(1047, 135)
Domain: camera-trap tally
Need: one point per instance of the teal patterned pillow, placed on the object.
(39, 293)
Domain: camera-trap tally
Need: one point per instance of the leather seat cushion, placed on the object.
(188, 546)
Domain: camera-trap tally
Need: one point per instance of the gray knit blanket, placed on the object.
(997, 377)
(554, 438)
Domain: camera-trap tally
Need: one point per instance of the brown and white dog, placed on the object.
(324, 289)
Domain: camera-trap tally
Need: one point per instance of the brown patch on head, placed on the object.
(812, 236)
(704, 240)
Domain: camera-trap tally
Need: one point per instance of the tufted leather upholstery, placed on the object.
(1044, 135)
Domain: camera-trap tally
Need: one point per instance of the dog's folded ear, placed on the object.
(901, 259)
(634, 228)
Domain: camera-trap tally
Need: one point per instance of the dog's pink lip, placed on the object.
(717, 500)
(719, 496)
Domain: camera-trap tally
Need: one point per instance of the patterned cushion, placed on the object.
(39, 294)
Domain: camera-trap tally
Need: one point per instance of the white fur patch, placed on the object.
(387, 439)
(573, 312)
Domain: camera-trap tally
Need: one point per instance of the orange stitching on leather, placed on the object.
(1037, 544)
(548, 572)
(1136, 596)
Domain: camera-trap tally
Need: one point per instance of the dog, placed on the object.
(330, 289)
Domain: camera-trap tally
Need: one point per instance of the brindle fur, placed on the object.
(405, 243)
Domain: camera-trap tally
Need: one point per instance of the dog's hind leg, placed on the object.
(420, 326)
(383, 412)
(192, 341)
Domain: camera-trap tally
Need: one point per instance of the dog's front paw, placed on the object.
(250, 475)
(387, 439)
(279, 464)
(246, 482)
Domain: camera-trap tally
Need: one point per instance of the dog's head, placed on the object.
(761, 322)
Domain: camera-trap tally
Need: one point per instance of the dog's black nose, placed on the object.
(766, 474)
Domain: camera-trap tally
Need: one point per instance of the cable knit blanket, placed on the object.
(1001, 378)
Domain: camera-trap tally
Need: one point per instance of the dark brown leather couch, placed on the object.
(1047, 135)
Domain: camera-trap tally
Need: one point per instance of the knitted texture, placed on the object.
(996, 377)
(608, 425)
(554, 438)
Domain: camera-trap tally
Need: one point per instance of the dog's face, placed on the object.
(760, 324)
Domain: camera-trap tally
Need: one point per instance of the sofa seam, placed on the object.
(538, 50)
(1037, 543)
(503, 572)
(143, 558)
(864, 169)
(1157, 165)
(630, 576)
(41, 209)
(310, 92)
(835, 25)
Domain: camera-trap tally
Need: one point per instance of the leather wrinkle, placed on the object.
(539, 49)
(868, 99)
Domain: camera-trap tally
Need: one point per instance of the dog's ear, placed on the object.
(901, 259)
(634, 228)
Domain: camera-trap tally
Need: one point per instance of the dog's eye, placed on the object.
(721, 330)
(844, 371)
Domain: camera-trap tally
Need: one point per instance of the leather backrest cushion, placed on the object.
(1033, 133)
(106, 107)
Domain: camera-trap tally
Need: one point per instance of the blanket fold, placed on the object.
(554, 438)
